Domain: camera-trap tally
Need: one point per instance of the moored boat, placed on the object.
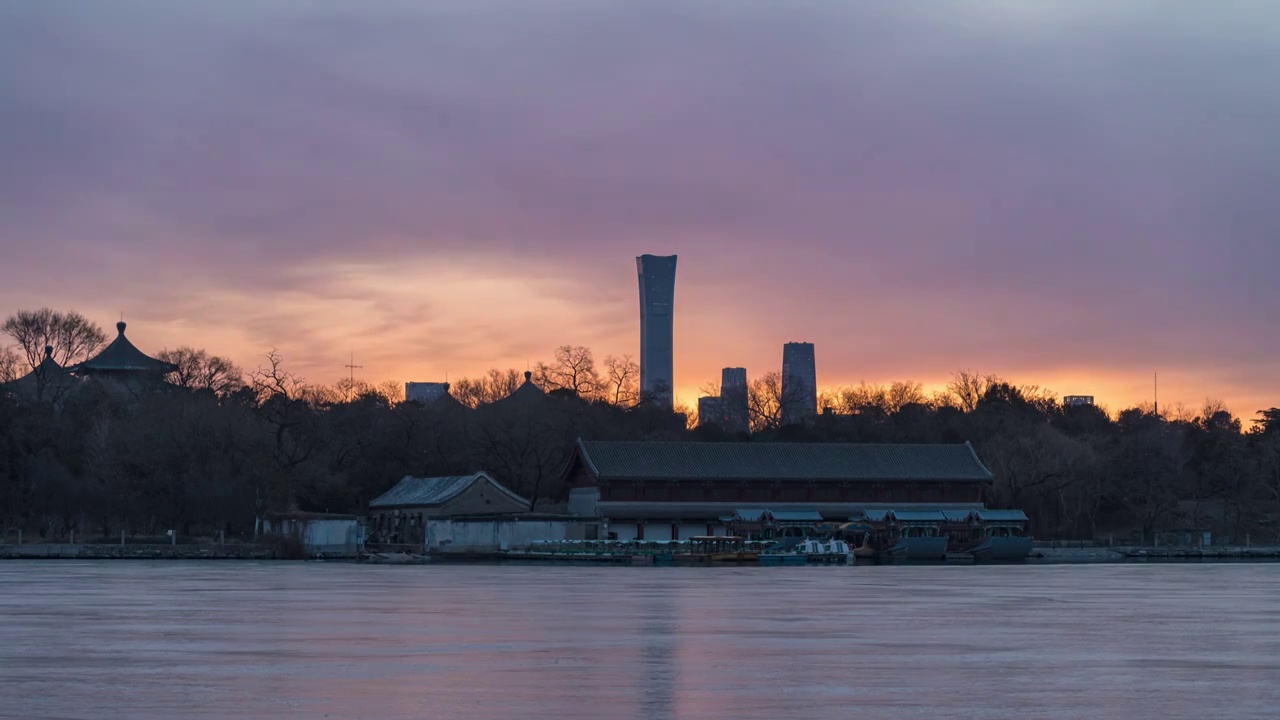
(1003, 535)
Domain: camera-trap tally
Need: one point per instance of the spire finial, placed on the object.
(48, 351)
(527, 375)
(120, 327)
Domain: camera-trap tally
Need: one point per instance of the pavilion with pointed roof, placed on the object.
(48, 381)
(123, 363)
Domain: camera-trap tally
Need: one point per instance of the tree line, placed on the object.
(219, 447)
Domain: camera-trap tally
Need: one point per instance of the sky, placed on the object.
(1073, 194)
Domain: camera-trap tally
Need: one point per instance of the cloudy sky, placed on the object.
(1073, 194)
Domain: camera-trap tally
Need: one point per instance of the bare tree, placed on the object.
(859, 398)
(72, 337)
(346, 390)
(392, 391)
(690, 413)
(969, 387)
(764, 401)
(829, 398)
(273, 380)
(1213, 407)
(9, 364)
(492, 387)
(573, 369)
(905, 392)
(198, 370)
(622, 381)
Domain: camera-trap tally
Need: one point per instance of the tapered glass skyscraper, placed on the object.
(657, 296)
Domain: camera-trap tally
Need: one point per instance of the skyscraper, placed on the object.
(657, 295)
(733, 397)
(710, 411)
(799, 383)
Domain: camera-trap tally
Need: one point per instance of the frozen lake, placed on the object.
(164, 640)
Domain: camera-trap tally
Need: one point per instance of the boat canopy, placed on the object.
(919, 516)
(854, 526)
(761, 514)
(796, 515)
(904, 516)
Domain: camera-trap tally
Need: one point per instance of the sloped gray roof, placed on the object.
(781, 461)
(986, 515)
(796, 515)
(121, 355)
(755, 514)
(919, 516)
(527, 394)
(429, 491)
(48, 371)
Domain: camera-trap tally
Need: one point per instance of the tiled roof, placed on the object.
(919, 516)
(1001, 515)
(756, 514)
(526, 395)
(121, 355)
(781, 461)
(796, 515)
(428, 491)
(48, 378)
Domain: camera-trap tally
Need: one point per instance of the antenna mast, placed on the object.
(351, 367)
(1156, 381)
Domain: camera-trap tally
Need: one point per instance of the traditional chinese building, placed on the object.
(674, 490)
(48, 382)
(400, 514)
(123, 367)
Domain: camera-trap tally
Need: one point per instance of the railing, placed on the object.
(626, 547)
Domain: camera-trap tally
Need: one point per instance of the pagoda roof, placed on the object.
(122, 356)
(528, 394)
(48, 377)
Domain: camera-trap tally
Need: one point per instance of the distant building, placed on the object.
(399, 515)
(733, 400)
(1077, 400)
(677, 490)
(657, 276)
(710, 411)
(425, 392)
(799, 383)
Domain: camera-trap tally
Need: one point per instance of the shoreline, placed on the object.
(1039, 556)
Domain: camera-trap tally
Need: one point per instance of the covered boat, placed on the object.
(1003, 535)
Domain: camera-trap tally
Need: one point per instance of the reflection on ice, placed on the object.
(170, 639)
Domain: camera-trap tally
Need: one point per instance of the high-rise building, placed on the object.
(657, 295)
(1077, 400)
(733, 399)
(799, 383)
(710, 411)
